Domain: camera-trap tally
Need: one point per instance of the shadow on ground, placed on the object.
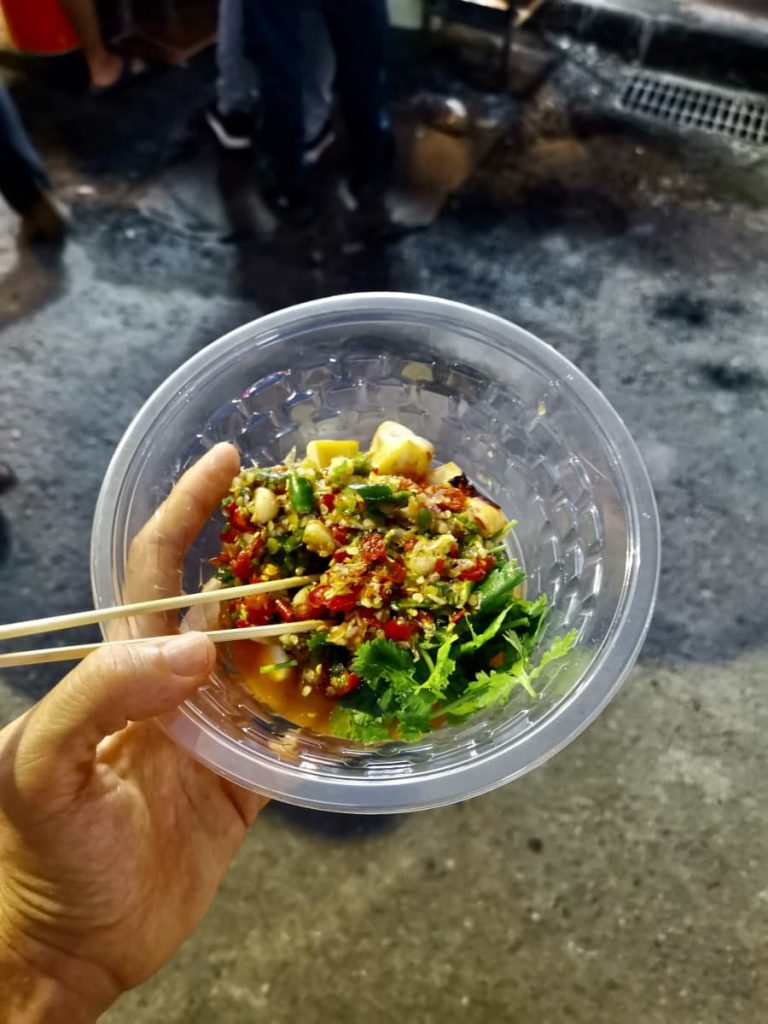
(341, 827)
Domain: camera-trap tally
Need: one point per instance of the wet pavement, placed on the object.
(625, 880)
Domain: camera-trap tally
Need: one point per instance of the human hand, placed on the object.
(112, 840)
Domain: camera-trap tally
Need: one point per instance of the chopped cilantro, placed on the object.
(358, 725)
(440, 670)
(408, 692)
(316, 641)
(480, 639)
(383, 662)
(489, 689)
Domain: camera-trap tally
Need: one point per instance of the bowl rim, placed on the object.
(606, 672)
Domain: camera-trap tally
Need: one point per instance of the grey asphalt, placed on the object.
(627, 879)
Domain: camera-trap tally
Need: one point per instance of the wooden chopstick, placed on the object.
(163, 604)
(218, 636)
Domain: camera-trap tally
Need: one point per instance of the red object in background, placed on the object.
(39, 27)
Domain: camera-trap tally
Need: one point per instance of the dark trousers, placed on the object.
(358, 31)
(22, 175)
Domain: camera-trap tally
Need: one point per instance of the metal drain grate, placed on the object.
(737, 115)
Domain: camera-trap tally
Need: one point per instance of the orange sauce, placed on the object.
(280, 691)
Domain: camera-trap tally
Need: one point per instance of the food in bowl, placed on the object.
(529, 429)
(425, 619)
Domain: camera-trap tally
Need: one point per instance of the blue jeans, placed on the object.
(237, 83)
(358, 33)
(319, 72)
(22, 175)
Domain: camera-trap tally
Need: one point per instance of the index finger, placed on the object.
(156, 555)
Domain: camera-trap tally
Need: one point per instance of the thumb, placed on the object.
(112, 686)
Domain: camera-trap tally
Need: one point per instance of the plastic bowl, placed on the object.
(529, 429)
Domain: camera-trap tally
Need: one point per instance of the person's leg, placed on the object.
(359, 31)
(319, 75)
(231, 116)
(236, 80)
(23, 181)
(273, 40)
(22, 175)
(104, 67)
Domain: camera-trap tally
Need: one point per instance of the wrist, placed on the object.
(32, 994)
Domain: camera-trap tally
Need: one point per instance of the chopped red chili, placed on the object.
(260, 609)
(239, 519)
(284, 610)
(373, 548)
(398, 630)
(340, 534)
(394, 571)
(479, 570)
(317, 596)
(342, 684)
(241, 565)
(450, 498)
(344, 602)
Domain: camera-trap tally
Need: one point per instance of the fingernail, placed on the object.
(188, 654)
(221, 451)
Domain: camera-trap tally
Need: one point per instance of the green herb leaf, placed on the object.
(414, 715)
(390, 671)
(495, 592)
(441, 669)
(318, 640)
(383, 662)
(479, 639)
(502, 533)
(490, 689)
(557, 649)
(353, 724)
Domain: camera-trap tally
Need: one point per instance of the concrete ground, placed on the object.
(627, 879)
(721, 40)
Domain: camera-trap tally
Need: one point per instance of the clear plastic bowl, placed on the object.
(529, 429)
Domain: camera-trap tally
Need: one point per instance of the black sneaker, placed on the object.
(44, 223)
(315, 148)
(233, 131)
(291, 196)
